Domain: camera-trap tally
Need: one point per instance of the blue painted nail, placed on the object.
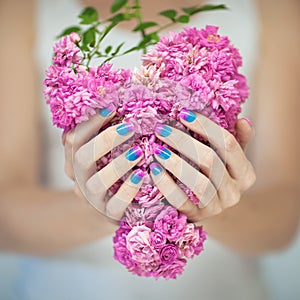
(155, 168)
(125, 128)
(187, 115)
(162, 152)
(137, 176)
(134, 153)
(163, 130)
(105, 112)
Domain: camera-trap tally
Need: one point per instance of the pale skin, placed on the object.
(35, 219)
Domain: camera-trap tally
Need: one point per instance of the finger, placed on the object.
(100, 145)
(225, 143)
(244, 132)
(196, 181)
(98, 185)
(177, 197)
(118, 203)
(83, 132)
(203, 156)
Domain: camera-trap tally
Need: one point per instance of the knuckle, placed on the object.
(93, 187)
(230, 142)
(210, 159)
(249, 178)
(70, 138)
(213, 209)
(234, 198)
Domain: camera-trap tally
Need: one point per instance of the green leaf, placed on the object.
(118, 49)
(195, 9)
(99, 54)
(170, 14)
(117, 5)
(118, 18)
(183, 19)
(69, 30)
(83, 47)
(145, 41)
(154, 36)
(88, 16)
(108, 49)
(144, 25)
(89, 37)
(132, 49)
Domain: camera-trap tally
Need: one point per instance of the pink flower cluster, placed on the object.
(193, 69)
(73, 92)
(157, 242)
(205, 65)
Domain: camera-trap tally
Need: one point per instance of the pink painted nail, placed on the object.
(248, 121)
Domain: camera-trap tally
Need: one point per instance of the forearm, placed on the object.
(40, 221)
(262, 221)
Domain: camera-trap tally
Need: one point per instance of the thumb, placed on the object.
(244, 132)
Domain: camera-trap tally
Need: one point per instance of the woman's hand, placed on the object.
(225, 173)
(84, 146)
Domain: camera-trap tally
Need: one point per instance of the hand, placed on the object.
(225, 172)
(84, 146)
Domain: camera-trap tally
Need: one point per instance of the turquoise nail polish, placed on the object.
(163, 130)
(125, 128)
(162, 152)
(155, 168)
(187, 115)
(137, 176)
(134, 153)
(105, 112)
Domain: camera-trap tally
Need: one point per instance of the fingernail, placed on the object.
(162, 152)
(137, 176)
(125, 128)
(105, 112)
(248, 121)
(187, 115)
(134, 153)
(155, 168)
(163, 130)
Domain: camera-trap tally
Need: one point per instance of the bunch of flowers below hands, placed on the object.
(193, 69)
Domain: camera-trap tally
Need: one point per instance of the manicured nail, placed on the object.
(162, 152)
(105, 112)
(134, 153)
(125, 128)
(137, 176)
(248, 121)
(187, 115)
(155, 168)
(163, 130)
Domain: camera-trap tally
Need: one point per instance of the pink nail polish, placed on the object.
(248, 121)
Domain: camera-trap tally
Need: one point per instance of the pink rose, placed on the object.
(170, 270)
(171, 223)
(191, 242)
(168, 253)
(157, 239)
(138, 244)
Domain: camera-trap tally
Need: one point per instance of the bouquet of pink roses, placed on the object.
(195, 70)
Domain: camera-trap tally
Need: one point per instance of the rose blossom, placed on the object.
(168, 253)
(191, 241)
(170, 270)
(171, 223)
(138, 244)
(157, 239)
